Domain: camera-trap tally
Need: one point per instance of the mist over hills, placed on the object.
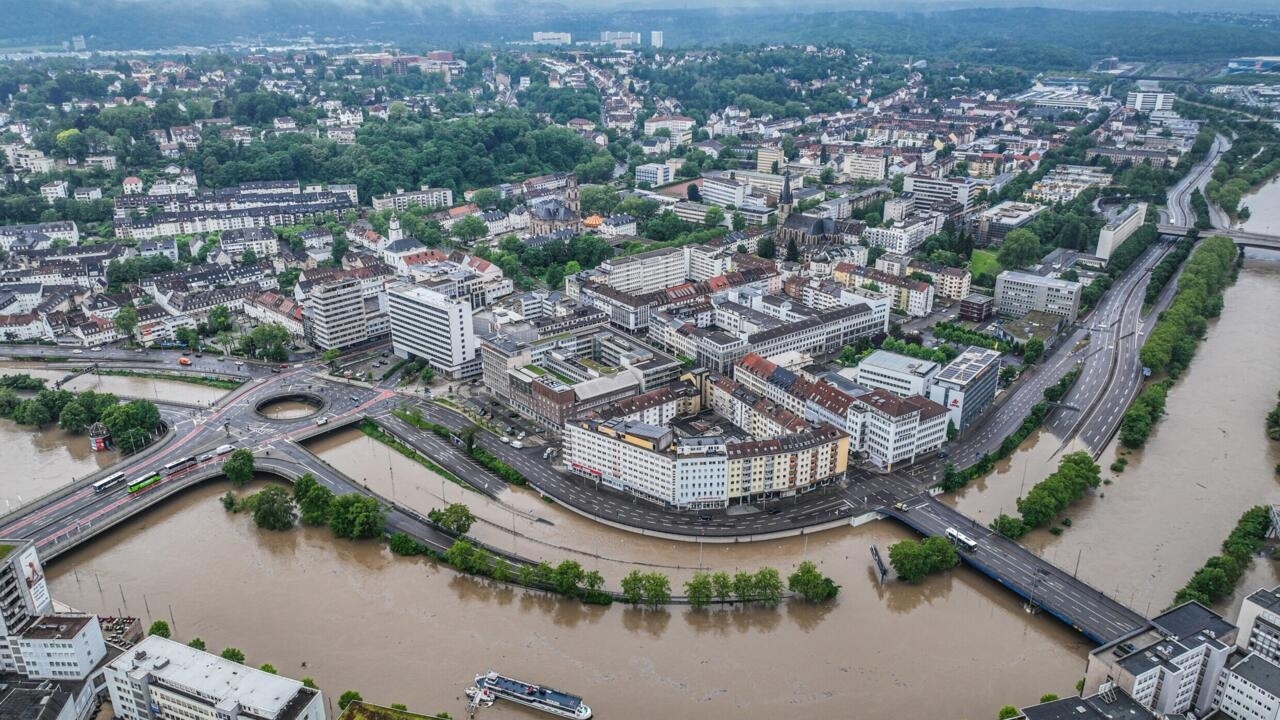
(992, 31)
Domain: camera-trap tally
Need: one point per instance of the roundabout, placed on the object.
(290, 406)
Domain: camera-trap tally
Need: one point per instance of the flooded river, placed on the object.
(402, 630)
(122, 385)
(1264, 209)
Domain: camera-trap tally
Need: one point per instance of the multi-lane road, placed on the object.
(1040, 583)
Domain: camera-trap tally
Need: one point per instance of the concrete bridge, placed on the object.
(1041, 584)
(72, 515)
(1241, 237)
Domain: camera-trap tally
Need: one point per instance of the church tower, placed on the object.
(784, 199)
(394, 232)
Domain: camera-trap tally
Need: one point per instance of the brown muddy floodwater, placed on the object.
(122, 385)
(288, 409)
(1141, 537)
(408, 631)
(38, 462)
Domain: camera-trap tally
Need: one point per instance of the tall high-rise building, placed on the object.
(24, 596)
(432, 326)
(335, 314)
(655, 38)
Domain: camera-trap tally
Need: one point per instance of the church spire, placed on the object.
(784, 198)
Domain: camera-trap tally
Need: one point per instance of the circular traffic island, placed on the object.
(290, 406)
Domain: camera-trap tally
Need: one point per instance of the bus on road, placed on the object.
(959, 539)
(144, 482)
(108, 482)
(178, 466)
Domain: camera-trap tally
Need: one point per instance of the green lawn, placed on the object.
(984, 261)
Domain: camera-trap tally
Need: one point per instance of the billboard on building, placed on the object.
(33, 582)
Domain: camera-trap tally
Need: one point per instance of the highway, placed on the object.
(1040, 583)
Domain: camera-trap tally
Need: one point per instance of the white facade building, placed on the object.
(1018, 293)
(655, 174)
(61, 647)
(899, 374)
(432, 326)
(24, 596)
(160, 678)
(427, 197)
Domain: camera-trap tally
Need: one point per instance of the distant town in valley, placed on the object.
(672, 306)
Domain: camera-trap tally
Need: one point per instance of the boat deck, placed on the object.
(535, 692)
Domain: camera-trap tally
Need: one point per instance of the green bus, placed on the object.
(143, 482)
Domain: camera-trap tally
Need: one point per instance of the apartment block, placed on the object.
(24, 596)
(426, 197)
(334, 314)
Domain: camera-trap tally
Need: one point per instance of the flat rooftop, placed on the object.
(1259, 671)
(175, 664)
(1190, 618)
(8, 546)
(56, 627)
(899, 363)
(1266, 599)
(968, 365)
(1094, 707)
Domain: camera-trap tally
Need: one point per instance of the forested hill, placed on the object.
(1032, 38)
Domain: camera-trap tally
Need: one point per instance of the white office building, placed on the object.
(655, 38)
(899, 430)
(61, 647)
(1149, 102)
(725, 191)
(162, 679)
(967, 385)
(1018, 293)
(1250, 690)
(899, 374)
(942, 191)
(655, 174)
(429, 325)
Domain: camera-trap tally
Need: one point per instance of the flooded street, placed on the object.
(124, 386)
(38, 462)
(405, 630)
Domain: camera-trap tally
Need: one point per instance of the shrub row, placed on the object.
(1219, 574)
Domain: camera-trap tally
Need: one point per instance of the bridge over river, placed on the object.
(74, 514)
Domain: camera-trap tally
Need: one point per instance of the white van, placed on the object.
(224, 449)
(517, 444)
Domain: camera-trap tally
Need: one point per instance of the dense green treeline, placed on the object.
(1206, 274)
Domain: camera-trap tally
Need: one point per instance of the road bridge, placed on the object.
(74, 514)
(1041, 584)
(1240, 237)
